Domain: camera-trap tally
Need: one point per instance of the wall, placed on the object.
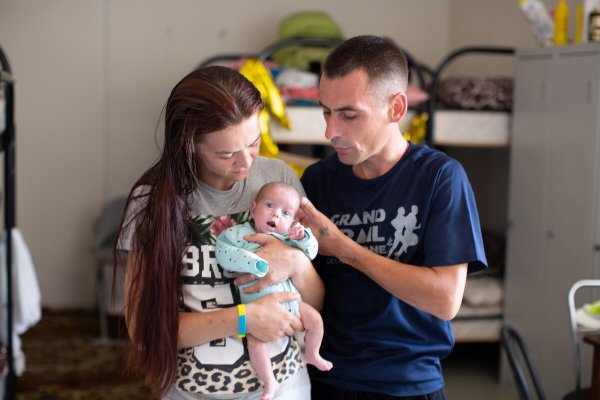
(56, 53)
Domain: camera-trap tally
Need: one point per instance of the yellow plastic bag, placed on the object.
(259, 75)
(418, 129)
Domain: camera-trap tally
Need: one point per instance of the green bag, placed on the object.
(311, 25)
(308, 25)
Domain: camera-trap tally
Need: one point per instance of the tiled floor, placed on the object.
(472, 373)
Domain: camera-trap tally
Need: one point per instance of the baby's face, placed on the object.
(274, 211)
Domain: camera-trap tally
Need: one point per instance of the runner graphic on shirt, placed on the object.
(405, 226)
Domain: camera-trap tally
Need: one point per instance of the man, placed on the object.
(398, 231)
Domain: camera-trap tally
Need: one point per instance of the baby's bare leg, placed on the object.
(311, 319)
(262, 365)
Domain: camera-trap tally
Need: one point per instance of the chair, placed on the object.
(105, 230)
(518, 358)
(524, 372)
(576, 328)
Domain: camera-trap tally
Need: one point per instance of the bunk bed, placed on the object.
(308, 125)
(481, 313)
(7, 146)
(475, 127)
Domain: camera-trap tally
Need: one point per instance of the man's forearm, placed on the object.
(436, 290)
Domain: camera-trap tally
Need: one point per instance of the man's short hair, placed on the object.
(379, 57)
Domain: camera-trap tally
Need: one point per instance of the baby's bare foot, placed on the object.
(318, 362)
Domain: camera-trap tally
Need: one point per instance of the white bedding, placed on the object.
(477, 324)
(308, 126)
(472, 128)
(451, 128)
(480, 316)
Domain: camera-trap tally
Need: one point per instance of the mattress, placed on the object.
(451, 128)
(472, 128)
(480, 316)
(308, 126)
(477, 324)
(473, 111)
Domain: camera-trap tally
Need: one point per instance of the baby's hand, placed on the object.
(296, 231)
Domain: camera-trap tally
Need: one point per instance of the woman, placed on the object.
(181, 309)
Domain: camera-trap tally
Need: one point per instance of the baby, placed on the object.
(273, 211)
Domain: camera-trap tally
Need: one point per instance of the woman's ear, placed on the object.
(398, 106)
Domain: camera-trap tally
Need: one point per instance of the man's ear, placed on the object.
(398, 106)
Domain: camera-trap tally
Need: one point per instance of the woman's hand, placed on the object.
(285, 262)
(282, 260)
(267, 319)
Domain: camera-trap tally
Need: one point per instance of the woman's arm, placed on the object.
(285, 262)
(266, 318)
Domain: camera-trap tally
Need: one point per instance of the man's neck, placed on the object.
(380, 163)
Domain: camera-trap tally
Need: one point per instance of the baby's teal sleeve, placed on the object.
(233, 256)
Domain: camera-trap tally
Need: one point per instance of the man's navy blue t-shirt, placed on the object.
(422, 212)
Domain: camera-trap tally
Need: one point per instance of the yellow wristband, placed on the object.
(241, 320)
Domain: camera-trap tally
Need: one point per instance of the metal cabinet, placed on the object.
(554, 201)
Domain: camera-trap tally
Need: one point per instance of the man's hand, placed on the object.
(328, 235)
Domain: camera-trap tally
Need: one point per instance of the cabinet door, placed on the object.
(568, 227)
(553, 202)
(524, 272)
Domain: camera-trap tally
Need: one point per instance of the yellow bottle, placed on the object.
(579, 30)
(561, 23)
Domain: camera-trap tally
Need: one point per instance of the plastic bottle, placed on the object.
(561, 23)
(588, 7)
(594, 26)
(540, 20)
(579, 27)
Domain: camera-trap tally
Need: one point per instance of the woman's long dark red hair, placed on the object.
(206, 100)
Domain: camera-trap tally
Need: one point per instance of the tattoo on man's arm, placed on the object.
(323, 232)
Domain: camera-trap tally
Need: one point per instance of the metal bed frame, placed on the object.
(7, 145)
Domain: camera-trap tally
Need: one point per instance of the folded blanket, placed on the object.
(475, 93)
